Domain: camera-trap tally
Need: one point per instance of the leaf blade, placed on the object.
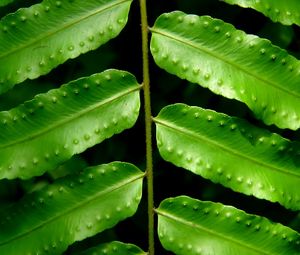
(116, 248)
(209, 144)
(34, 40)
(71, 209)
(281, 11)
(5, 2)
(217, 229)
(229, 62)
(67, 120)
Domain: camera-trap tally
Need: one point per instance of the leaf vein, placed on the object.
(61, 123)
(214, 233)
(71, 209)
(45, 36)
(207, 51)
(197, 136)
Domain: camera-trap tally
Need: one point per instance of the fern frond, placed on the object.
(42, 133)
(231, 63)
(71, 209)
(232, 152)
(34, 40)
(285, 12)
(115, 248)
(189, 226)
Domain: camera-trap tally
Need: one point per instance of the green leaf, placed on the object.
(34, 40)
(231, 63)
(71, 209)
(286, 12)
(43, 133)
(5, 2)
(188, 226)
(114, 248)
(232, 152)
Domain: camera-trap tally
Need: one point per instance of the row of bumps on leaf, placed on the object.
(210, 144)
(34, 40)
(229, 62)
(285, 12)
(71, 209)
(51, 128)
(223, 230)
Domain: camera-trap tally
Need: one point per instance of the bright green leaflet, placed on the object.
(67, 120)
(71, 209)
(232, 152)
(5, 2)
(34, 40)
(286, 12)
(231, 63)
(188, 226)
(114, 248)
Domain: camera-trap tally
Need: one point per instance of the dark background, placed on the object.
(124, 52)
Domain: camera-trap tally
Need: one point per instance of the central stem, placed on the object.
(148, 125)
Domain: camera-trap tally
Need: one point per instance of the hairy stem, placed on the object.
(148, 124)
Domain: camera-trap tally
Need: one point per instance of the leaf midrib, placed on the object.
(71, 209)
(45, 36)
(211, 53)
(214, 233)
(75, 116)
(197, 136)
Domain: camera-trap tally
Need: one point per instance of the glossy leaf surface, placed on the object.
(71, 209)
(114, 248)
(231, 63)
(232, 152)
(34, 40)
(188, 226)
(286, 12)
(42, 133)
